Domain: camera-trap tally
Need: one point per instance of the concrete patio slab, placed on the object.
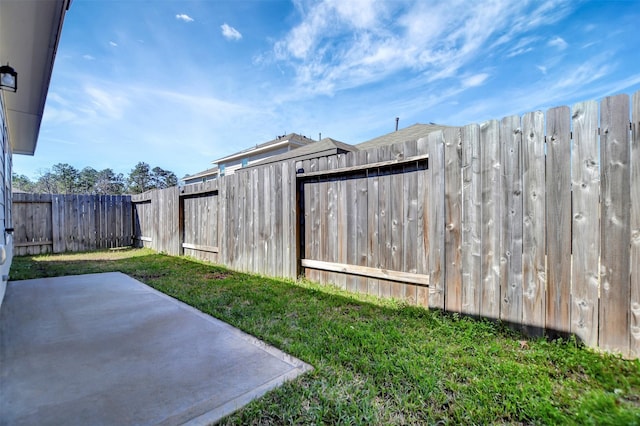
(105, 349)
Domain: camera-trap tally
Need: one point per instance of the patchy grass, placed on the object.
(381, 362)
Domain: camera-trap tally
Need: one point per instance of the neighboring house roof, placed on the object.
(29, 36)
(323, 148)
(411, 133)
(293, 139)
(209, 172)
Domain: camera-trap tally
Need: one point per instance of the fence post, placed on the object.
(56, 226)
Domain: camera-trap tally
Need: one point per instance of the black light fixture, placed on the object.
(8, 78)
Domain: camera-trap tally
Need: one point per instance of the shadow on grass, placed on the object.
(380, 361)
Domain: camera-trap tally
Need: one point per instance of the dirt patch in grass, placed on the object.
(216, 275)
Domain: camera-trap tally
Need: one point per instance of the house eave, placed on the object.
(29, 36)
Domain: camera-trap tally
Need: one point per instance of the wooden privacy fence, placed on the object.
(245, 221)
(45, 223)
(533, 220)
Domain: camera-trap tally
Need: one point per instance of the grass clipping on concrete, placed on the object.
(381, 362)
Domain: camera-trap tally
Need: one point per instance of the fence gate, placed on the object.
(362, 221)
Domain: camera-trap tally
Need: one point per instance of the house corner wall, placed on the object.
(6, 239)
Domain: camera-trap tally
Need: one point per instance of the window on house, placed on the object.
(221, 170)
(245, 162)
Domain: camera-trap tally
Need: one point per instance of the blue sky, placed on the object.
(178, 84)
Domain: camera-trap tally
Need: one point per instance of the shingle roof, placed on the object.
(292, 137)
(201, 174)
(326, 146)
(411, 133)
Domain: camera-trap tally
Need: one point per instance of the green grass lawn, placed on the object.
(381, 362)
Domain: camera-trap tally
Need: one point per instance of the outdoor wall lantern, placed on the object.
(8, 78)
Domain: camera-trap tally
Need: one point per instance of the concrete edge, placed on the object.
(211, 416)
(216, 414)
(201, 414)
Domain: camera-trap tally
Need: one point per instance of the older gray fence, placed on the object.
(46, 223)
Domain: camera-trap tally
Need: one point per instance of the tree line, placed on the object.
(63, 178)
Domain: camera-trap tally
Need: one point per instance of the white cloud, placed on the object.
(558, 42)
(184, 17)
(475, 80)
(88, 57)
(339, 45)
(113, 44)
(104, 103)
(542, 69)
(230, 33)
(522, 46)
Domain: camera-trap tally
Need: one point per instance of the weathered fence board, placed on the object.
(436, 221)
(422, 261)
(471, 221)
(410, 228)
(585, 180)
(491, 218)
(373, 218)
(615, 289)
(558, 219)
(634, 258)
(534, 248)
(511, 242)
(453, 219)
(362, 196)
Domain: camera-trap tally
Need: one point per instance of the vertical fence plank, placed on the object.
(256, 178)
(129, 218)
(223, 232)
(372, 222)
(307, 189)
(533, 237)
(362, 222)
(384, 221)
(244, 214)
(331, 236)
(232, 219)
(268, 221)
(558, 219)
(278, 255)
(288, 230)
(616, 232)
(634, 259)
(56, 224)
(323, 198)
(410, 228)
(352, 224)
(491, 218)
(436, 221)
(422, 242)
(249, 218)
(471, 220)
(453, 219)
(313, 243)
(511, 244)
(275, 244)
(585, 166)
(398, 290)
(342, 212)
